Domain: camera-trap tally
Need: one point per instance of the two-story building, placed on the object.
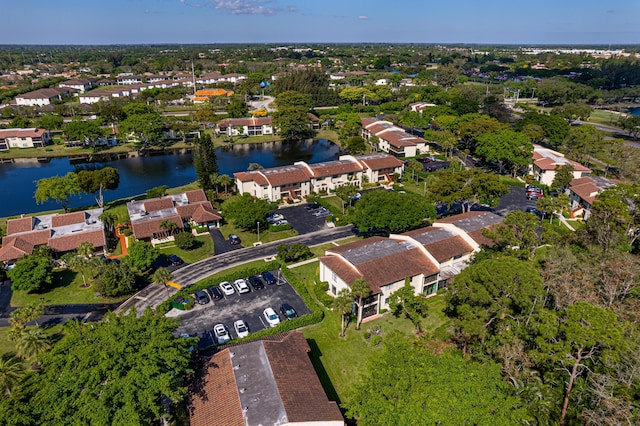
(23, 138)
(253, 126)
(80, 85)
(392, 139)
(546, 161)
(426, 258)
(42, 97)
(583, 192)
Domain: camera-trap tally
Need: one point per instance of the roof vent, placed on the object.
(245, 409)
(236, 367)
(243, 390)
(232, 354)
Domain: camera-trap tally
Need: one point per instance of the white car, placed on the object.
(272, 318)
(241, 286)
(227, 288)
(275, 217)
(221, 333)
(241, 328)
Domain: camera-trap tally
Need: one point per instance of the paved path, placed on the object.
(154, 294)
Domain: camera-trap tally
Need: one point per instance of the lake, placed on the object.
(634, 111)
(141, 173)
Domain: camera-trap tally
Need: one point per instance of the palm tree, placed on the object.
(109, 219)
(342, 304)
(85, 249)
(20, 316)
(168, 226)
(225, 180)
(77, 264)
(11, 372)
(360, 289)
(32, 343)
(161, 276)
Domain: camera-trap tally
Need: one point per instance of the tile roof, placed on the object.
(196, 195)
(22, 133)
(37, 238)
(252, 121)
(68, 219)
(22, 224)
(548, 159)
(147, 228)
(379, 161)
(72, 241)
(205, 213)
(441, 243)
(331, 168)
(14, 249)
(43, 93)
(279, 176)
(588, 187)
(158, 204)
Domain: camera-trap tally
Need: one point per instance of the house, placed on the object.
(301, 179)
(23, 138)
(420, 106)
(254, 126)
(545, 162)
(62, 232)
(343, 75)
(128, 79)
(205, 94)
(583, 192)
(427, 258)
(150, 217)
(80, 85)
(392, 139)
(42, 97)
(264, 382)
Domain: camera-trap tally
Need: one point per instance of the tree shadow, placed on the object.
(316, 359)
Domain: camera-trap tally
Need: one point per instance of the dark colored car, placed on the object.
(234, 239)
(533, 196)
(256, 282)
(269, 278)
(174, 260)
(312, 206)
(287, 311)
(201, 297)
(215, 292)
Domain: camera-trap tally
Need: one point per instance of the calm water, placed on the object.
(139, 174)
(634, 111)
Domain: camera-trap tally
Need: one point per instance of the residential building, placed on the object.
(343, 75)
(80, 85)
(205, 94)
(42, 97)
(545, 162)
(61, 232)
(420, 106)
(392, 139)
(301, 179)
(129, 79)
(23, 138)
(148, 217)
(427, 258)
(583, 192)
(264, 382)
(254, 126)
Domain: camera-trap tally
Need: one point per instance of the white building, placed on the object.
(392, 139)
(42, 97)
(23, 138)
(546, 161)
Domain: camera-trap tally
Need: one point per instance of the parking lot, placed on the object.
(248, 307)
(302, 220)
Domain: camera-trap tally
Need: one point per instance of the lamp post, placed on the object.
(258, 222)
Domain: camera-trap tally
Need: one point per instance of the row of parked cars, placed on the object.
(241, 328)
(241, 286)
(534, 193)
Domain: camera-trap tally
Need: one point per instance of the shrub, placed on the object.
(293, 252)
(185, 240)
(367, 335)
(320, 291)
(126, 232)
(376, 340)
(278, 228)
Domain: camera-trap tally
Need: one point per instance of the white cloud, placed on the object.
(242, 7)
(363, 17)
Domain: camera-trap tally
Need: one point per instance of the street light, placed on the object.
(258, 222)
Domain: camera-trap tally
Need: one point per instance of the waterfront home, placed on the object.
(61, 232)
(254, 126)
(23, 138)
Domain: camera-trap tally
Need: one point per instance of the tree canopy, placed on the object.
(245, 211)
(380, 209)
(205, 160)
(97, 181)
(508, 149)
(31, 273)
(57, 188)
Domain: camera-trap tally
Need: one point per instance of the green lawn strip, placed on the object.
(248, 238)
(600, 116)
(66, 290)
(203, 250)
(7, 346)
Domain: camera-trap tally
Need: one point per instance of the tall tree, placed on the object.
(405, 302)
(563, 176)
(141, 256)
(447, 76)
(508, 149)
(360, 289)
(379, 209)
(32, 273)
(161, 276)
(115, 280)
(237, 108)
(342, 304)
(245, 211)
(32, 343)
(467, 187)
(97, 181)
(11, 372)
(58, 189)
(205, 160)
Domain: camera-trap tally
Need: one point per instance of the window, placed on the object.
(430, 289)
(333, 289)
(334, 277)
(387, 300)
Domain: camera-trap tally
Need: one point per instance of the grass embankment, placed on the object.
(66, 289)
(603, 116)
(203, 249)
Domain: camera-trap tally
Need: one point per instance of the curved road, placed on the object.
(152, 295)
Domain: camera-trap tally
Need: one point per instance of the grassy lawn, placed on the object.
(340, 361)
(603, 116)
(203, 250)
(6, 346)
(248, 238)
(66, 290)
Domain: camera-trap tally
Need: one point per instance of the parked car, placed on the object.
(281, 222)
(269, 278)
(256, 282)
(215, 292)
(234, 239)
(275, 218)
(321, 212)
(241, 328)
(534, 196)
(312, 206)
(534, 211)
(201, 297)
(241, 286)
(221, 333)
(227, 288)
(271, 317)
(174, 260)
(287, 311)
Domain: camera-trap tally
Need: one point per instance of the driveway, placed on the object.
(516, 199)
(302, 220)
(248, 307)
(220, 243)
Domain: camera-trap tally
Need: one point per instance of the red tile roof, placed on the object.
(200, 212)
(14, 249)
(446, 249)
(253, 121)
(254, 176)
(147, 228)
(196, 195)
(334, 168)
(68, 219)
(22, 224)
(22, 133)
(158, 204)
(286, 175)
(72, 241)
(380, 161)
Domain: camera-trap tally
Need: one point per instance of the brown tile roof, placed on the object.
(68, 219)
(43, 93)
(22, 224)
(200, 212)
(37, 238)
(380, 161)
(72, 241)
(146, 229)
(286, 175)
(342, 268)
(480, 238)
(214, 398)
(14, 249)
(548, 164)
(399, 138)
(253, 121)
(300, 389)
(457, 217)
(364, 122)
(334, 168)
(254, 176)
(22, 133)
(158, 204)
(446, 249)
(396, 267)
(196, 195)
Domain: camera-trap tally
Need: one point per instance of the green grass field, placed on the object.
(203, 250)
(603, 116)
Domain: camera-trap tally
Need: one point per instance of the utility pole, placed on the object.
(258, 222)
(193, 75)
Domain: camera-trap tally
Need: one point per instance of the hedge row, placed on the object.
(165, 306)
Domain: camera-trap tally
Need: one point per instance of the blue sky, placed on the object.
(280, 21)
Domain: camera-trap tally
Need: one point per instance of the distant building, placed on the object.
(546, 161)
(61, 232)
(42, 97)
(80, 85)
(254, 126)
(205, 94)
(392, 139)
(264, 382)
(583, 192)
(23, 138)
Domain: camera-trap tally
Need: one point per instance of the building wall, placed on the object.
(33, 102)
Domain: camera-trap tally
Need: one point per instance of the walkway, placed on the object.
(123, 244)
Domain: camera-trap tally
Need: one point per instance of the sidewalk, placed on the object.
(123, 244)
